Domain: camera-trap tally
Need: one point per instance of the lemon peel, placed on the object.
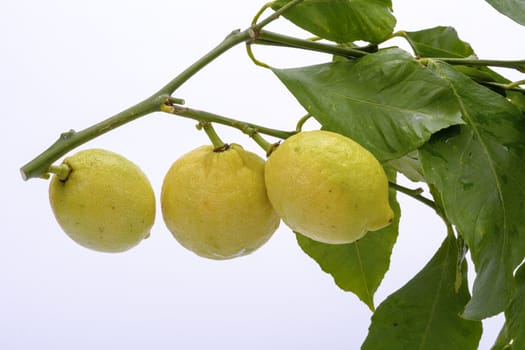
(215, 203)
(327, 187)
(106, 203)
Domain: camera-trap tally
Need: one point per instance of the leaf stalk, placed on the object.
(414, 193)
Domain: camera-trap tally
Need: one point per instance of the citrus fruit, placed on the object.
(106, 203)
(215, 203)
(327, 187)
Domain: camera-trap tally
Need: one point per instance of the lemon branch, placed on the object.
(234, 38)
(518, 65)
(203, 116)
(265, 37)
(40, 165)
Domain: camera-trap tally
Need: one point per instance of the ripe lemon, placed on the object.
(215, 203)
(105, 204)
(327, 187)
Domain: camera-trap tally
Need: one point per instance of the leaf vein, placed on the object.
(443, 276)
(362, 273)
(467, 115)
(382, 106)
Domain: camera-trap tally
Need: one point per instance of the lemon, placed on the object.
(215, 203)
(106, 203)
(327, 187)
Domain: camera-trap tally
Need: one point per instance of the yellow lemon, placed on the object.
(215, 203)
(327, 187)
(106, 203)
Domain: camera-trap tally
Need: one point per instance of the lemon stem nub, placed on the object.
(218, 144)
(62, 171)
(261, 141)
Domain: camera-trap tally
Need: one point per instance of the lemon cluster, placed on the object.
(226, 203)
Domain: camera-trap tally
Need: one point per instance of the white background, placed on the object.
(68, 64)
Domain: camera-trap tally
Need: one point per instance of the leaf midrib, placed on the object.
(384, 106)
(492, 167)
(369, 297)
(444, 269)
(504, 240)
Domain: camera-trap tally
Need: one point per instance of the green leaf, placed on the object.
(424, 314)
(514, 9)
(343, 21)
(408, 165)
(512, 331)
(487, 77)
(515, 314)
(358, 267)
(385, 101)
(478, 170)
(438, 42)
(518, 99)
(444, 42)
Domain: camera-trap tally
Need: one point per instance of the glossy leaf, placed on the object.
(386, 101)
(476, 169)
(424, 314)
(438, 42)
(514, 9)
(358, 267)
(343, 21)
